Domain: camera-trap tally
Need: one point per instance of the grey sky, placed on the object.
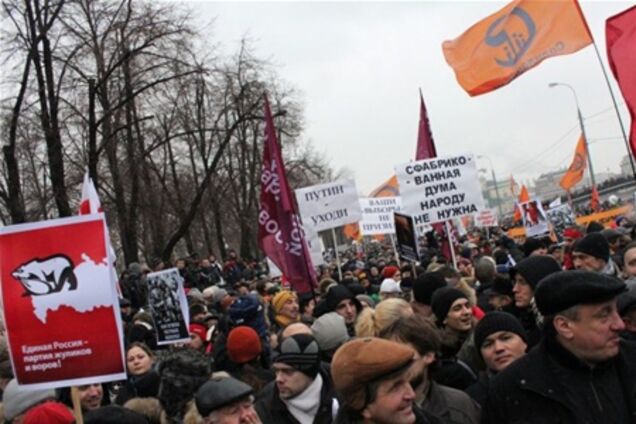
(359, 65)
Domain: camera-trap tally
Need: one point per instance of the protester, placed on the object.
(330, 331)
(372, 321)
(485, 271)
(373, 378)
(592, 253)
(302, 392)
(389, 289)
(581, 371)
(626, 305)
(341, 300)
(48, 413)
(286, 309)
(143, 379)
(114, 414)
(629, 265)
(244, 349)
(501, 294)
(18, 402)
(225, 400)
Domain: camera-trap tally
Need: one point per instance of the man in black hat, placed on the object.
(592, 253)
(226, 400)
(581, 372)
(303, 391)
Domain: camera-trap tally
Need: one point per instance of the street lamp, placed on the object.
(578, 110)
(494, 181)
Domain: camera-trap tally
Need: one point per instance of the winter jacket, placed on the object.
(145, 385)
(450, 405)
(272, 410)
(550, 385)
(421, 417)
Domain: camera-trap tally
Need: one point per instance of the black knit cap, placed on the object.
(562, 290)
(497, 321)
(502, 286)
(425, 285)
(534, 268)
(442, 301)
(593, 244)
(532, 244)
(300, 351)
(219, 392)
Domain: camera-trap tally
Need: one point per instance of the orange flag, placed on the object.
(595, 200)
(575, 172)
(523, 197)
(517, 38)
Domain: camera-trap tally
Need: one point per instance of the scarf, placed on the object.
(305, 405)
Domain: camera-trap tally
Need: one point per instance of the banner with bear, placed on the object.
(60, 304)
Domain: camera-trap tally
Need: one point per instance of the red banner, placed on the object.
(61, 310)
(280, 235)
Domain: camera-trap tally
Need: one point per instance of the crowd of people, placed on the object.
(542, 332)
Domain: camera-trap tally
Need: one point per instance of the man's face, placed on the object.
(593, 335)
(290, 308)
(501, 349)
(289, 381)
(309, 309)
(239, 412)
(393, 402)
(629, 319)
(630, 263)
(90, 396)
(523, 292)
(587, 262)
(460, 316)
(347, 309)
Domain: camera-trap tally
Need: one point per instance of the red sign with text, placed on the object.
(60, 305)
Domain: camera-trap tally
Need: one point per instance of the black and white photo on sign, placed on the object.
(168, 306)
(534, 219)
(406, 237)
(561, 217)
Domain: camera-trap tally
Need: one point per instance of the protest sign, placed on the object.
(168, 306)
(377, 215)
(439, 189)
(486, 218)
(406, 237)
(314, 243)
(60, 304)
(328, 205)
(561, 217)
(534, 219)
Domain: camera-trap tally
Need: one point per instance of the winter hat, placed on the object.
(208, 293)
(572, 233)
(593, 244)
(247, 310)
(281, 297)
(389, 271)
(425, 285)
(562, 290)
(497, 321)
(198, 329)
(594, 227)
(50, 413)
(534, 268)
(335, 295)
(443, 299)
(502, 286)
(389, 285)
(17, 401)
(366, 299)
(219, 295)
(531, 245)
(300, 351)
(243, 345)
(219, 392)
(330, 331)
(360, 362)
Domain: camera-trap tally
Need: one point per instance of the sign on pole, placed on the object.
(406, 236)
(377, 215)
(439, 189)
(329, 205)
(60, 304)
(486, 218)
(534, 218)
(168, 306)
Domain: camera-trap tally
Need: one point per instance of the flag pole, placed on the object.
(335, 248)
(77, 406)
(450, 244)
(397, 255)
(618, 115)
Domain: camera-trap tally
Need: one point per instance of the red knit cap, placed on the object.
(50, 413)
(199, 329)
(243, 345)
(389, 271)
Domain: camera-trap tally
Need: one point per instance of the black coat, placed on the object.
(272, 410)
(550, 385)
(421, 417)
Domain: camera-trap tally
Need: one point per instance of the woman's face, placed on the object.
(139, 362)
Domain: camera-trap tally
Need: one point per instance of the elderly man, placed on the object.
(592, 253)
(581, 372)
(226, 400)
(373, 377)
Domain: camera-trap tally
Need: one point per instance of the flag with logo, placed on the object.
(499, 48)
(575, 171)
(280, 234)
(620, 33)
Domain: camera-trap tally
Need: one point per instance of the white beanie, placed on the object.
(17, 401)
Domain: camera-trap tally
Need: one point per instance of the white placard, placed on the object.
(439, 189)
(328, 205)
(377, 215)
(486, 218)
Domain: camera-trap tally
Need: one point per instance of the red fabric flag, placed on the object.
(425, 144)
(280, 235)
(90, 200)
(595, 199)
(620, 33)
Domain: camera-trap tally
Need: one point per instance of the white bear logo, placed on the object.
(46, 276)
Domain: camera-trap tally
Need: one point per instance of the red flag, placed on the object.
(620, 33)
(89, 203)
(280, 235)
(595, 200)
(425, 144)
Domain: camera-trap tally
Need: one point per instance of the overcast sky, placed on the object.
(358, 67)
